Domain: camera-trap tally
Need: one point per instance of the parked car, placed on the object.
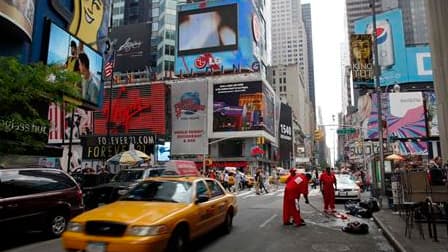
(347, 188)
(38, 199)
(158, 214)
(118, 185)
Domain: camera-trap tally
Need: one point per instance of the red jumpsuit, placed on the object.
(327, 181)
(295, 186)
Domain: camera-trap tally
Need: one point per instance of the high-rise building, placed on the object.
(356, 9)
(306, 16)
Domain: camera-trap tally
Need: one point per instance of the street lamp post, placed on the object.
(379, 105)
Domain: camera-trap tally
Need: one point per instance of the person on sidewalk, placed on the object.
(296, 186)
(327, 188)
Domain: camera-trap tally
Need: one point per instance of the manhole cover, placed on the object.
(332, 247)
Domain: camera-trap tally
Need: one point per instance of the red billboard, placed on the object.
(136, 109)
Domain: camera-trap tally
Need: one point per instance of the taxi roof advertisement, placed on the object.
(232, 37)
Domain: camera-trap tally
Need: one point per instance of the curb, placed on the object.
(389, 236)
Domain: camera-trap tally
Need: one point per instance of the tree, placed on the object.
(25, 93)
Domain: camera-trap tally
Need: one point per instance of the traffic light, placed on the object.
(318, 134)
(208, 162)
(260, 140)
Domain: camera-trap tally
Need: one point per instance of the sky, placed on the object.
(329, 32)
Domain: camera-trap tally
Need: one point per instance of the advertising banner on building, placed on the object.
(391, 45)
(232, 37)
(132, 47)
(431, 114)
(61, 123)
(419, 64)
(103, 147)
(71, 54)
(138, 109)
(242, 106)
(285, 130)
(403, 116)
(90, 22)
(189, 117)
(361, 58)
(20, 13)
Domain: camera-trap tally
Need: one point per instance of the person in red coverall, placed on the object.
(327, 187)
(296, 184)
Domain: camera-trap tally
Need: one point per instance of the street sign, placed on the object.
(346, 131)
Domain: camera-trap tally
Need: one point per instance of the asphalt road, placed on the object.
(258, 227)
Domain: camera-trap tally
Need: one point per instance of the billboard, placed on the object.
(431, 114)
(163, 152)
(419, 64)
(242, 106)
(137, 109)
(103, 147)
(90, 22)
(62, 122)
(285, 130)
(218, 27)
(391, 45)
(361, 59)
(72, 54)
(189, 117)
(236, 42)
(404, 114)
(133, 47)
(20, 13)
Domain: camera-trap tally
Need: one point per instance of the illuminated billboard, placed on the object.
(137, 109)
(242, 106)
(72, 54)
(218, 30)
(236, 42)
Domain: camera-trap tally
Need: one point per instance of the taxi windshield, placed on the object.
(163, 191)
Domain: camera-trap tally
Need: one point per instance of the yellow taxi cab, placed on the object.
(159, 214)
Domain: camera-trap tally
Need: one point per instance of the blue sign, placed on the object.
(391, 45)
(419, 64)
(228, 35)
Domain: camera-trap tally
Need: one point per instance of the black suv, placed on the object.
(118, 185)
(38, 198)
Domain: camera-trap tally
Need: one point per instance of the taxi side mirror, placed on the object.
(202, 198)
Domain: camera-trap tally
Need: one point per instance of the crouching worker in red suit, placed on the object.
(327, 187)
(296, 184)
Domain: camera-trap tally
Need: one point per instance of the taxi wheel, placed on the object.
(228, 223)
(178, 241)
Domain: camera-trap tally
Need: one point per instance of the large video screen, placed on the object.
(70, 53)
(218, 28)
(163, 152)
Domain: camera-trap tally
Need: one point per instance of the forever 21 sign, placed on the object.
(103, 147)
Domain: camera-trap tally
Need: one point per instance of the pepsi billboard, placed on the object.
(399, 64)
(391, 45)
(232, 37)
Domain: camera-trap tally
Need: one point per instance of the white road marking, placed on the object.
(268, 220)
(243, 193)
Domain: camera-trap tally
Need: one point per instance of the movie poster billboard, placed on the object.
(361, 58)
(232, 37)
(391, 44)
(137, 109)
(189, 117)
(20, 13)
(69, 52)
(242, 106)
(132, 47)
(285, 130)
(404, 116)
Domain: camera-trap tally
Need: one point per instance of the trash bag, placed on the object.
(364, 213)
(356, 227)
(370, 204)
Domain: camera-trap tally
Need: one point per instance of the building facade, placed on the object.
(306, 16)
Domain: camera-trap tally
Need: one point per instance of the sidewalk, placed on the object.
(393, 226)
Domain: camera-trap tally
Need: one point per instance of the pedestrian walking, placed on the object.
(327, 188)
(296, 185)
(262, 182)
